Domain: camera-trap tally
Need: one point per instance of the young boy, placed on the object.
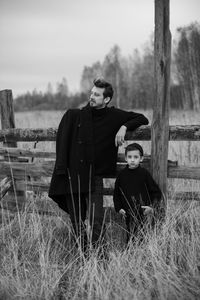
(136, 194)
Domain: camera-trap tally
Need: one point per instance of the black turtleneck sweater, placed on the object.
(106, 123)
(134, 188)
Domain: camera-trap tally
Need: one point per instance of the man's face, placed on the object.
(133, 159)
(97, 99)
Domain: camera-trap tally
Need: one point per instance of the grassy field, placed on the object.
(39, 259)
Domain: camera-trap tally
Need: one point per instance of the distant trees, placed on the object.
(187, 62)
(141, 91)
(112, 69)
(88, 75)
(62, 88)
(132, 78)
(60, 100)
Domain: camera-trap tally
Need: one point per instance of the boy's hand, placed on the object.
(119, 138)
(147, 210)
(123, 213)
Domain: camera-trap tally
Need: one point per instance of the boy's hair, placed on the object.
(101, 83)
(134, 146)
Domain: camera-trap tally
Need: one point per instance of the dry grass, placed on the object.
(39, 260)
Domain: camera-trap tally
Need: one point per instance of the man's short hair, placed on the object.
(134, 146)
(101, 83)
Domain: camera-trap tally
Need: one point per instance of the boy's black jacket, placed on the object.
(134, 188)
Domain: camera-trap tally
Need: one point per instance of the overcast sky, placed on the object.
(45, 40)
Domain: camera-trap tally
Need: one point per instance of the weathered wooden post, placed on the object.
(8, 121)
(160, 122)
(7, 113)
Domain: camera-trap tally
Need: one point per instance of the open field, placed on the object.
(39, 259)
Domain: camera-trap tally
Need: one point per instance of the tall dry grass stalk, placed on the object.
(39, 260)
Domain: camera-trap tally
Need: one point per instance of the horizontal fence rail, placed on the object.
(45, 168)
(20, 152)
(36, 153)
(176, 133)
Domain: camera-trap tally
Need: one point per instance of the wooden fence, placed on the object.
(20, 171)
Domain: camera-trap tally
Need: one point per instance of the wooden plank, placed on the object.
(184, 133)
(22, 171)
(20, 152)
(176, 133)
(5, 185)
(184, 172)
(17, 152)
(36, 186)
(160, 122)
(28, 135)
(45, 168)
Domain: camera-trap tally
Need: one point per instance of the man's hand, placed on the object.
(119, 138)
(123, 213)
(147, 210)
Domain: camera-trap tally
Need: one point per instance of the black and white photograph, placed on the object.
(100, 150)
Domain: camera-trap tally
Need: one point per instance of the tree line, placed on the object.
(132, 78)
(49, 100)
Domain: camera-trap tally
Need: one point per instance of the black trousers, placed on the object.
(82, 206)
(137, 227)
(134, 226)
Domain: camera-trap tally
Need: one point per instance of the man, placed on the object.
(86, 151)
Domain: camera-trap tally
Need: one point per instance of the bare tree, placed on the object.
(187, 60)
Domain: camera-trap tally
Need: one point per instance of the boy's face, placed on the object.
(133, 158)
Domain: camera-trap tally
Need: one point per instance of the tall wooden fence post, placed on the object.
(8, 121)
(160, 122)
(7, 113)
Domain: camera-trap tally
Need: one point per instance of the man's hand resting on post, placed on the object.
(119, 138)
